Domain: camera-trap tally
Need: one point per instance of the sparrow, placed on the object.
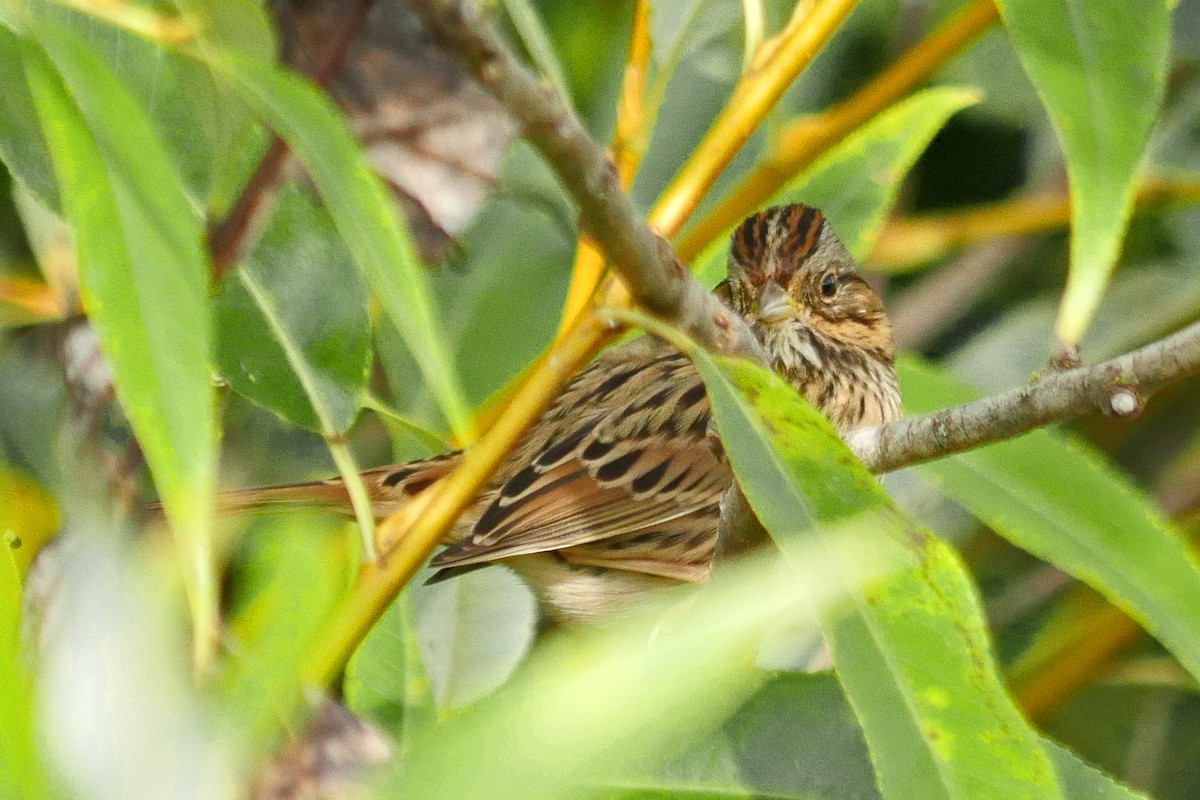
(615, 491)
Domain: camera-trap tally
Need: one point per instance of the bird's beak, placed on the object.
(774, 304)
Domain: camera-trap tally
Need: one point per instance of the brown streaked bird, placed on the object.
(615, 490)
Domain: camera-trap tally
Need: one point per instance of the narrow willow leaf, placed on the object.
(1100, 69)
(1050, 494)
(143, 277)
(758, 754)
(364, 213)
(912, 652)
(292, 323)
(855, 183)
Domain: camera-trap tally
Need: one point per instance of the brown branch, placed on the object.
(655, 277)
(226, 238)
(661, 285)
(1118, 386)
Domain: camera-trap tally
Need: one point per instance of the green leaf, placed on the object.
(22, 146)
(528, 267)
(601, 703)
(385, 681)
(855, 183)
(1100, 70)
(285, 339)
(143, 277)
(284, 588)
(472, 632)
(363, 211)
(912, 652)
(1050, 494)
(1082, 781)
(758, 754)
(21, 773)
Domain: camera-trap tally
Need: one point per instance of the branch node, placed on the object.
(1066, 358)
(1124, 402)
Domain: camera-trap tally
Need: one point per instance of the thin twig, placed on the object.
(657, 280)
(1119, 386)
(226, 238)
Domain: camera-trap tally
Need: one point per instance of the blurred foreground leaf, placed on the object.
(143, 277)
(912, 652)
(292, 570)
(591, 707)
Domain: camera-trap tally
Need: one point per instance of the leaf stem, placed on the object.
(360, 501)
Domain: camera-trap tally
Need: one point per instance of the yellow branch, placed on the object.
(29, 302)
(801, 142)
(906, 244)
(628, 145)
(755, 95)
(408, 536)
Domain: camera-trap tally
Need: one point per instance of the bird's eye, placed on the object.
(829, 284)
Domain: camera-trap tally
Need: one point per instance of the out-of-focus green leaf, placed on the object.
(1018, 344)
(385, 680)
(526, 269)
(1100, 69)
(21, 773)
(284, 588)
(293, 333)
(856, 182)
(472, 632)
(29, 517)
(1051, 495)
(364, 213)
(911, 652)
(797, 739)
(22, 146)
(143, 276)
(593, 706)
(117, 663)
